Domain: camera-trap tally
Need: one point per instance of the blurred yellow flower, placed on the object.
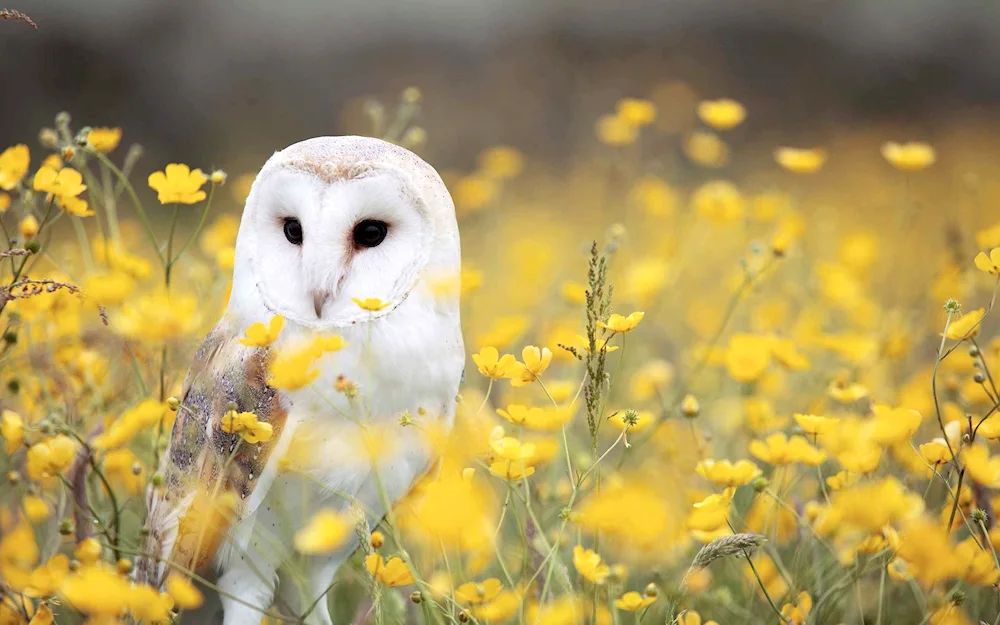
(28, 227)
(982, 467)
(928, 552)
(847, 393)
(501, 162)
(800, 161)
(146, 415)
(722, 114)
(372, 304)
(778, 449)
(178, 184)
(472, 593)
(492, 365)
(894, 425)
(393, 572)
(474, 192)
(247, 426)
(726, 473)
(618, 323)
(787, 355)
(711, 513)
(870, 506)
(88, 551)
(655, 197)
(104, 139)
(259, 335)
(36, 509)
(813, 424)
(910, 157)
(97, 590)
(185, 595)
(650, 379)
(978, 566)
(12, 429)
(293, 368)
(966, 326)
(747, 357)
(706, 149)
(635, 111)
(503, 332)
(581, 342)
(588, 564)
(633, 602)
(50, 457)
(4, 202)
(326, 531)
(504, 606)
(536, 361)
(13, 165)
(990, 264)
(548, 418)
(796, 613)
(935, 452)
(159, 316)
(615, 130)
(718, 201)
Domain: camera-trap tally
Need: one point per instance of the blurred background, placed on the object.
(226, 83)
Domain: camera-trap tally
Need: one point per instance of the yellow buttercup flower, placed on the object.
(747, 357)
(36, 509)
(247, 426)
(690, 617)
(179, 184)
(706, 149)
(12, 429)
(259, 335)
(778, 449)
(796, 613)
(813, 424)
(5, 202)
(619, 323)
(600, 345)
(894, 425)
(185, 595)
(847, 393)
(371, 304)
(50, 457)
(711, 513)
(722, 114)
(492, 365)
(910, 157)
(472, 593)
(548, 418)
(104, 139)
(393, 572)
(65, 185)
(966, 326)
(655, 197)
(633, 602)
(726, 473)
(800, 161)
(982, 467)
(536, 361)
(936, 452)
(326, 531)
(13, 165)
(293, 368)
(588, 564)
(991, 263)
(159, 316)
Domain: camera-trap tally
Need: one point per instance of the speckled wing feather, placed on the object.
(210, 474)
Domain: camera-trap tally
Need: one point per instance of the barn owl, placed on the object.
(328, 221)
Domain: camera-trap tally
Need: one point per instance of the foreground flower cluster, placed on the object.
(750, 400)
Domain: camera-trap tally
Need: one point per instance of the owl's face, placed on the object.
(321, 243)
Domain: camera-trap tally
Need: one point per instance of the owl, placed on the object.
(328, 223)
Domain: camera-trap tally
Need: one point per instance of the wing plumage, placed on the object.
(208, 474)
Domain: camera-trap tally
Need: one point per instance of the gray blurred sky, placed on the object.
(227, 82)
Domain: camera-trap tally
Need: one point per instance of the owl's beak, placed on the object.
(319, 299)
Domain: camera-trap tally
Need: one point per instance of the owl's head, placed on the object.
(332, 219)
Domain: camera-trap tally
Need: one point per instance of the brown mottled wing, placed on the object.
(208, 476)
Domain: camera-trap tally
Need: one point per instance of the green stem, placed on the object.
(135, 200)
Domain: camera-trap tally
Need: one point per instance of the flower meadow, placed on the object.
(707, 383)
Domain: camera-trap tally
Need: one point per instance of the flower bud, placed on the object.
(416, 596)
(65, 527)
(68, 153)
(760, 484)
(136, 469)
(218, 177)
(463, 617)
(377, 539)
(33, 246)
(48, 138)
(979, 378)
(10, 337)
(124, 566)
(979, 515)
(157, 479)
(952, 305)
(411, 95)
(173, 403)
(28, 227)
(652, 590)
(690, 407)
(14, 478)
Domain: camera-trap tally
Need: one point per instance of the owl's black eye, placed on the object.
(370, 233)
(293, 231)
